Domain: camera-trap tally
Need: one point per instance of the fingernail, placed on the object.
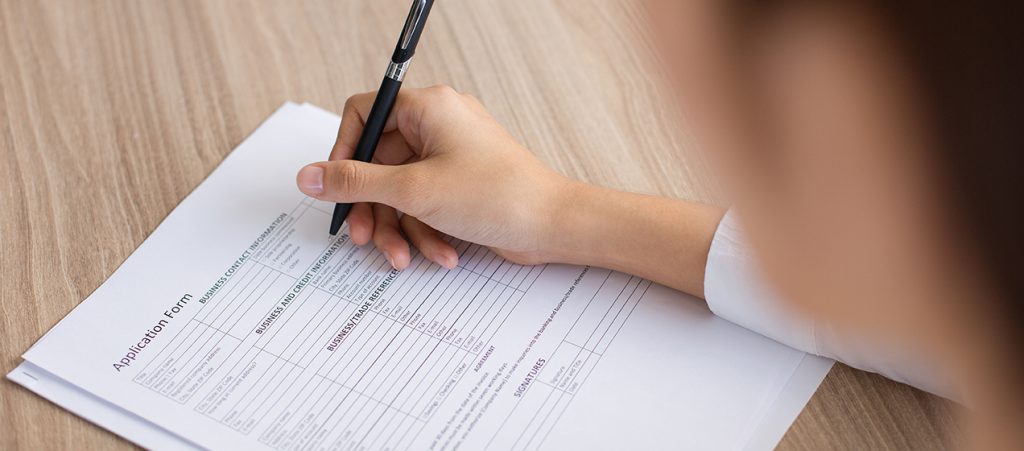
(391, 261)
(311, 180)
(450, 261)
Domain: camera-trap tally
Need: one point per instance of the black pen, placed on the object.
(386, 95)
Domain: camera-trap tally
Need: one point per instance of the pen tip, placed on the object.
(336, 225)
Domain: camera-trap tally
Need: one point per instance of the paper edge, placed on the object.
(95, 410)
(790, 402)
(286, 105)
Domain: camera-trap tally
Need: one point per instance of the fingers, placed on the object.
(388, 238)
(411, 111)
(360, 223)
(381, 224)
(429, 242)
(353, 119)
(392, 149)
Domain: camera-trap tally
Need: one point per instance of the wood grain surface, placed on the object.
(111, 112)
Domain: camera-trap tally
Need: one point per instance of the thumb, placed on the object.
(350, 181)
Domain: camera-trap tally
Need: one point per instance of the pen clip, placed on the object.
(415, 14)
(411, 32)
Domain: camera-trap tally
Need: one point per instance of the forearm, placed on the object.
(660, 239)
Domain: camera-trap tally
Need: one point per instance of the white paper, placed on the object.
(96, 410)
(240, 323)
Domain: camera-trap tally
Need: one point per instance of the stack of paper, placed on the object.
(240, 323)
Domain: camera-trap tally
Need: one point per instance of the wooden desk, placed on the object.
(112, 111)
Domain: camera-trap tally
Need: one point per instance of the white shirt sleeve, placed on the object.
(736, 291)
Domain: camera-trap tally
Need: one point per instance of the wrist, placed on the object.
(660, 239)
(577, 230)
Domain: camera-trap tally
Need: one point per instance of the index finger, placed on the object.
(353, 120)
(405, 117)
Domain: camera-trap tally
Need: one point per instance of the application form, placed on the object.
(240, 323)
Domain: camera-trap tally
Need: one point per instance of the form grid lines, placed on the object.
(430, 325)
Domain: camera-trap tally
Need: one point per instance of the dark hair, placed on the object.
(966, 58)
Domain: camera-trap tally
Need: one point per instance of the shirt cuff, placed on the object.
(735, 291)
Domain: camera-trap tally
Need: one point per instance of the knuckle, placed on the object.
(350, 103)
(442, 89)
(443, 92)
(355, 100)
(346, 178)
(438, 102)
(473, 101)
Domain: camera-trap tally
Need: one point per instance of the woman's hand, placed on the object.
(449, 167)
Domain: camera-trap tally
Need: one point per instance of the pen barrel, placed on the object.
(377, 119)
